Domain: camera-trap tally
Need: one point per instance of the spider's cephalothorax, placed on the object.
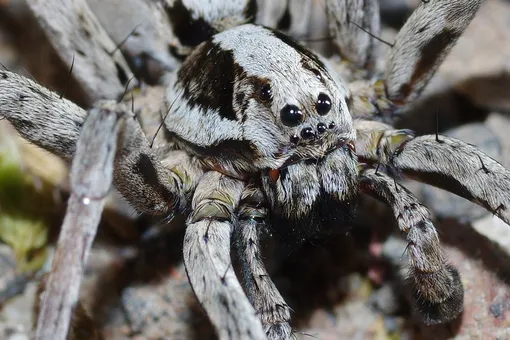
(262, 134)
(253, 101)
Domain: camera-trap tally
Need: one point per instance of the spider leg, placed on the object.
(207, 258)
(423, 43)
(91, 178)
(437, 291)
(39, 115)
(458, 167)
(263, 294)
(441, 161)
(54, 124)
(355, 25)
(419, 48)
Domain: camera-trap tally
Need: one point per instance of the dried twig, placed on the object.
(91, 178)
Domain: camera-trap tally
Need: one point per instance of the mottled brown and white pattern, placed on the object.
(262, 137)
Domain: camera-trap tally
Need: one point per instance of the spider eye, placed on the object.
(291, 115)
(321, 128)
(265, 93)
(323, 104)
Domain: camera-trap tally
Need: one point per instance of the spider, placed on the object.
(262, 135)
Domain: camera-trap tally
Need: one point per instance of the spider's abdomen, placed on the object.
(251, 99)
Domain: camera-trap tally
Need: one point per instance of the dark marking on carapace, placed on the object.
(240, 98)
(308, 65)
(259, 84)
(207, 77)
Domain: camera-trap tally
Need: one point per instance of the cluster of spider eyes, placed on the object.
(292, 116)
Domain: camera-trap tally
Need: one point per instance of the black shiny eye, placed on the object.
(321, 128)
(323, 104)
(291, 115)
(265, 93)
(307, 133)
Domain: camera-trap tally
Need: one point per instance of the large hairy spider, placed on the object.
(262, 135)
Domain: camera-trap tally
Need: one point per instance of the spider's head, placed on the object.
(252, 99)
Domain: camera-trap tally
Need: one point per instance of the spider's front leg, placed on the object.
(263, 294)
(443, 162)
(349, 22)
(458, 167)
(208, 262)
(422, 44)
(437, 290)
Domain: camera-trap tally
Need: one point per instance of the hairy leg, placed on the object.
(423, 43)
(263, 294)
(441, 161)
(419, 48)
(458, 167)
(437, 289)
(207, 258)
(54, 124)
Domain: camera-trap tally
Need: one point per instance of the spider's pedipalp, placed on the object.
(355, 25)
(263, 294)
(376, 141)
(91, 179)
(207, 258)
(423, 43)
(143, 179)
(457, 167)
(437, 289)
